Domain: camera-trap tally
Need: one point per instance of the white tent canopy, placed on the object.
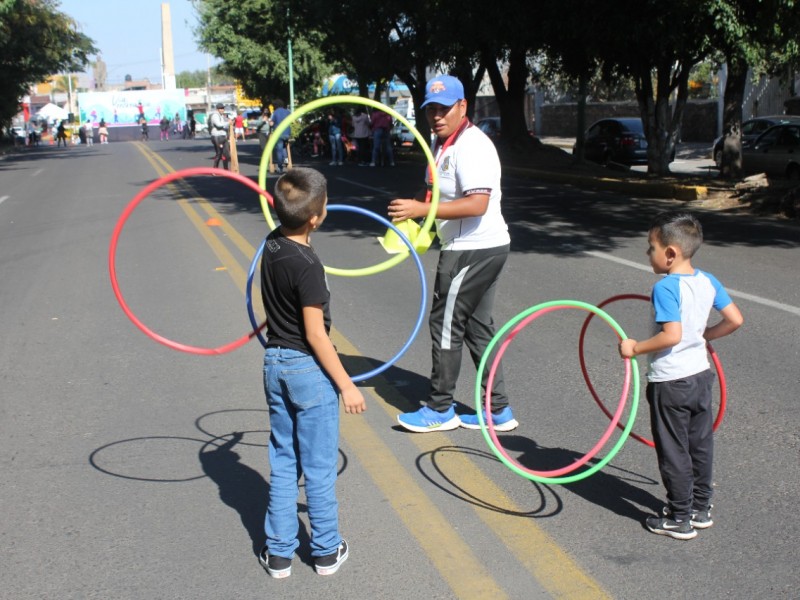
(52, 112)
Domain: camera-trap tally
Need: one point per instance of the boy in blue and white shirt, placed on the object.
(679, 375)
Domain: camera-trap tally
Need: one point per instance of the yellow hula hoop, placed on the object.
(427, 224)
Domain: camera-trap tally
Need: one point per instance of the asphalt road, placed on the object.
(132, 470)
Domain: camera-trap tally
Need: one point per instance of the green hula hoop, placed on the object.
(427, 224)
(478, 396)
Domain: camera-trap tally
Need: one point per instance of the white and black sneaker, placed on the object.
(701, 519)
(680, 530)
(278, 567)
(330, 563)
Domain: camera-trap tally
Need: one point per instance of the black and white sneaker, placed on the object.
(329, 564)
(278, 567)
(701, 519)
(680, 530)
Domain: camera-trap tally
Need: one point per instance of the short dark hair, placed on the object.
(681, 229)
(278, 103)
(299, 195)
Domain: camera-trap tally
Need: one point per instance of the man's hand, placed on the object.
(402, 209)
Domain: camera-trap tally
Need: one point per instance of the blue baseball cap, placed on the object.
(444, 89)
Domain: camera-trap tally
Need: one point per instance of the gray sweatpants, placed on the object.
(681, 420)
(463, 299)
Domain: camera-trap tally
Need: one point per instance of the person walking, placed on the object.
(279, 155)
(218, 127)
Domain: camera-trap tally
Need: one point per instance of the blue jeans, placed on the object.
(382, 145)
(337, 152)
(304, 440)
(279, 155)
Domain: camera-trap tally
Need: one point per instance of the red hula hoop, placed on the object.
(488, 402)
(112, 250)
(723, 391)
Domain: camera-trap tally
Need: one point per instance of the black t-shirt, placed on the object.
(292, 276)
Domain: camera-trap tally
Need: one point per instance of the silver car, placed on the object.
(775, 152)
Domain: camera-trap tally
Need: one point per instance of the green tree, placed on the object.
(35, 40)
(250, 36)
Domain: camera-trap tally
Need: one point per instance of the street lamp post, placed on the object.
(291, 67)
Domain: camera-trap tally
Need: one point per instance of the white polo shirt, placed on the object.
(470, 166)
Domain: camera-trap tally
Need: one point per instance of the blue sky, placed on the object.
(128, 35)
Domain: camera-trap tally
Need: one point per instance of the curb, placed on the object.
(649, 189)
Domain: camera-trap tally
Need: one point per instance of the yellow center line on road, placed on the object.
(553, 568)
(451, 555)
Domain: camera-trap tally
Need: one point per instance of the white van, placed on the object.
(405, 106)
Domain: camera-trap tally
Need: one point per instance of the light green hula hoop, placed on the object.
(478, 396)
(427, 224)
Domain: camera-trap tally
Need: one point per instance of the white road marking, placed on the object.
(37, 172)
(3, 198)
(368, 187)
(744, 295)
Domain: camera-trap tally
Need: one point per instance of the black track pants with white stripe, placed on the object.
(463, 299)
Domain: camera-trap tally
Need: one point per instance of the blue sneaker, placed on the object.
(426, 419)
(502, 421)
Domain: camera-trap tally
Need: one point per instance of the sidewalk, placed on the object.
(630, 181)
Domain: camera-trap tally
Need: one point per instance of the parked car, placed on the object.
(618, 140)
(751, 129)
(401, 135)
(775, 152)
(491, 127)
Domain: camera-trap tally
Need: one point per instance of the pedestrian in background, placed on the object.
(361, 136)
(218, 128)
(381, 125)
(279, 155)
(335, 138)
(102, 131)
(163, 125)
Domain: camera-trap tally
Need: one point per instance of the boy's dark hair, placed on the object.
(299, 195)
(681, 229)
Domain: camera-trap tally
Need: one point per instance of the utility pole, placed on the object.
(291, 68)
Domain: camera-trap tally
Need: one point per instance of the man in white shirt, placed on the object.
(474, 248)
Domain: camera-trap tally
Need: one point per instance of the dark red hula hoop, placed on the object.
(112, 250)
(723, 387)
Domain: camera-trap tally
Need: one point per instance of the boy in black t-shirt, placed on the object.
(302, 373)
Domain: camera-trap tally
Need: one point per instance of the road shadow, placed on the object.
(614, 493)
(245, 491)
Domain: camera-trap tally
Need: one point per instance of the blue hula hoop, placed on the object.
(423, 291)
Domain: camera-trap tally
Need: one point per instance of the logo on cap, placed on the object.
(436, 87)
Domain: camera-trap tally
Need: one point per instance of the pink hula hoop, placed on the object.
(488, 403)
(112, 250)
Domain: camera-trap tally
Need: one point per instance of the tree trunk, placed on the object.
(661, 122)
(583, 82)
(732, 119)
(511, 100)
